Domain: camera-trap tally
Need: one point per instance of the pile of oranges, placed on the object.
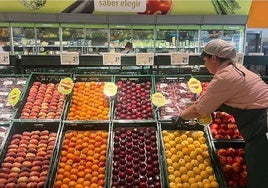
(89, 102)
(82, 161)
(188, 160)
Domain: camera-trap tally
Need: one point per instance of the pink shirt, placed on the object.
(230, 87)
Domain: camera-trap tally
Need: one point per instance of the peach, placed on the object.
(32, 184)
(44, 173)
(11, 154)
(15, 141)
(43, 178)
(35, 136)
(13, 175)
(9, 159)
(3, 181)
(37, 132)
(32, 146)
(34, 173)
(44, 137)
(41, 153)
(24, 141)
(36, 168)
(12, 150)
(33, 116)
(17, 164)
(44, 141)
(12, 179)
(30, 156)
(19, 159)
(15, 169)
(52, 142)
(7, 165)
(13, 146)
(45, 167)
(17, 136)
(27, 164)
(39, 158)
(24, 174)
(23, 146)
(21, 185)
(23, 179)
(41, 184)
(33, 179)
(33, 141)
(37, 163)
(25, 169)
(26, 133)
(4, 170)
(50, 147)
(31, 150)
(10, 185)
(21, 154)
(26, 110)
(2, 175)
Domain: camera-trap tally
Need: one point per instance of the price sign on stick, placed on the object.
(179, 59)
(144, 59)
(69, 58)
(110, 89)
(204, 120)
(4, 58)
(13, 96)
(65, 86)
(111, 58)
(158, 99)
(239, 58)
(194, 85)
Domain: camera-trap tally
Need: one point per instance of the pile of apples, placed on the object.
(224, 126)
(176, 94)
(26, 162)
(133, 100)
(233, 166)
(204, 87)
(135, 158)
(44, 101)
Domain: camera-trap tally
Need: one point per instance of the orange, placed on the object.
(72, 184)
(66, 181)
(95, 174)
(101, 170)
(94, 179)
(74, 171)
(66, 174)
(68, 167)
(79, 186)
(59, 177)
(58, 183)
(81, 174)
(95, 167)
(73, 177)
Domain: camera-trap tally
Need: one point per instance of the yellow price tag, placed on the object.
(13, 96)
(194, 85)
(65, 86)
(158, 99)
(204, 120)
(110, 89)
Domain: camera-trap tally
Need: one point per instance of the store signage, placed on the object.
(4, 58)
(69, 58)
(158, 99)
(179, 59)
(111, 58)
(194, 85)
(120, 5)
(13, 96)
(239, 58)
(144, 59)
(110, 89)
(65, 86)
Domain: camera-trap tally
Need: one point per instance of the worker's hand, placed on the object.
(177, 120)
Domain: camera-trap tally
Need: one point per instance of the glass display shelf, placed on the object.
(5, 36)
(119, 36)
(166, 39)
(188, 39)
(143, 38)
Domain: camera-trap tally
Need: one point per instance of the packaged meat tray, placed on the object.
(82, 157)
(7, 83)
(42, 99)
(133, 98)
(188, 159)
(177, 94)
(230, 159)
(27, 155)
(135, 156)
(88, 101)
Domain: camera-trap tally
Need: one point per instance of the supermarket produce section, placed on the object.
(87, 139)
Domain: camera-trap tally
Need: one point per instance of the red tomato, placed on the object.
(157, 7)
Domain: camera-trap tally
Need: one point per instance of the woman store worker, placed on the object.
(238, 91)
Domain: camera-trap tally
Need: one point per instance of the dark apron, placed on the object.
(253, 126)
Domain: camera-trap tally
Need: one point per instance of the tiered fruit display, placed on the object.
(89, 102)
(44, 101)
(233, 166)
(223, 126)
(27, 159)
(188, 160)
(177, 96)
(135, 160)
(82, 160)
(133, 100)
(6, 85)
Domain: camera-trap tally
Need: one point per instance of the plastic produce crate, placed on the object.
(27, 155)
(187, 156)
(230, 159)
(88, 101)
(177, 94)
(7, 83)
(133, 99)
(42, 100)
(4, 128)
(135, 156)
(82, 156)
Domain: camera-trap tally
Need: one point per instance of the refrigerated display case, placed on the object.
(188, 40)
(96, 39)
(166, 38)
(5, 36)
(119, 36)
(48, 38)
(72, 37)
(23, 38)
(234, 34)
(143, 38)
(208, 33)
